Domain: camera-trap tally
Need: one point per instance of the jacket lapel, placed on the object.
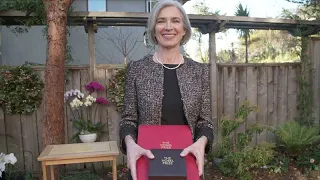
(183, 76)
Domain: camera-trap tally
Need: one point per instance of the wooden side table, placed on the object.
(79, 153)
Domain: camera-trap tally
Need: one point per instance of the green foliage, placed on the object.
(306, 156)
(243, 11)
(295, 138)
(20, 90)
(85, 127)
(29, 176)
(116, 89)
(228, 126)
(273, 46)
(81, 176)
(35, 7)
(280, 164)
(238, 156)
(305, 2)
(239, 163)
(244, 33)
(12, 172)
(305, 103)
(305, 96)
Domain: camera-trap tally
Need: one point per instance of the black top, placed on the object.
(172, 105)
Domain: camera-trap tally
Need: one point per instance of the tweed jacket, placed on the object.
(144, 93)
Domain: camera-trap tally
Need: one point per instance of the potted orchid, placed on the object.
(81, 108)
(6, 160)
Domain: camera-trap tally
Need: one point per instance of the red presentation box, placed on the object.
(165, 137)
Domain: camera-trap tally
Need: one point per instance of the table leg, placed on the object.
(52, 172)
(114, 168)
(44, 171)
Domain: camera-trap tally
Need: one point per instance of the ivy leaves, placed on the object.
(20, 90)
(116, 89)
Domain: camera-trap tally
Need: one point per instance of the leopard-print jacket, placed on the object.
(144, 93)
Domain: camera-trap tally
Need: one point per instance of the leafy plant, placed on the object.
(35, 7)
(238, 156)
(78, 103)
(280, 164)
(239, 163)
(20, 90)
(310, 158)
(228, 126)
(295, 137)
(87, 127)
(116, 89)
(7, 161)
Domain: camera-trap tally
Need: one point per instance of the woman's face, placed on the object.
(169, 29)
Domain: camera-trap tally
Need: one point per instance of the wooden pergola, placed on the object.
(207, 24)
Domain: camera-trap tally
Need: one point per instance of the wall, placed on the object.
(31, 46)
(314, 47)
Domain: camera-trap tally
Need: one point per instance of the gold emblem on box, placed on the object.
(165, 145)
(167, 161)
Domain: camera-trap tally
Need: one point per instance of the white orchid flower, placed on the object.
(10, 158)
(2, 166)
(88, 103)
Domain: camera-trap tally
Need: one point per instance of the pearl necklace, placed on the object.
(169, 67)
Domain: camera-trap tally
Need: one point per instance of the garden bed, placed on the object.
(212, 173)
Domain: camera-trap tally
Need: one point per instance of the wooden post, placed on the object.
(92, 57)
(314, 47)
(213, 80)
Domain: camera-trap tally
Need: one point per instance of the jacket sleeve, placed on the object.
(204, 125)
(129, 117)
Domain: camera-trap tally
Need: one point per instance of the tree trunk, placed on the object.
(53, 120)
(53, 123)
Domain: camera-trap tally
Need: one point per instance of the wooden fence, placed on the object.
(273, 87)
(23, 133)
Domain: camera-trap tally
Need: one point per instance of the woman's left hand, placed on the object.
(197, 149)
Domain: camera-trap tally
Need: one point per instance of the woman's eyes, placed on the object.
(174, 21)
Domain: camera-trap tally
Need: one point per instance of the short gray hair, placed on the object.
(153, 18)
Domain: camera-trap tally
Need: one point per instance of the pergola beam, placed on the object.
(197, 21)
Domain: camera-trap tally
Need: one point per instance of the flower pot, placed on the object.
(87, 138)
(314, 174)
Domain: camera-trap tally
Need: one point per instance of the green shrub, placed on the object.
(238, 156)
(280, 164)
(20, 90)
(295, 138)
(239, 163)
(116, 89)
(303, 159)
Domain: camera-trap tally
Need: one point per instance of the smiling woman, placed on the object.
(167, 88)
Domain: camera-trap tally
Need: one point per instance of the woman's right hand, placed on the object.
(134, 152)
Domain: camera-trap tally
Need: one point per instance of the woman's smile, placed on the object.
(169, 29)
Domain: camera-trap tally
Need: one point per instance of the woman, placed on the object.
(167, 88)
